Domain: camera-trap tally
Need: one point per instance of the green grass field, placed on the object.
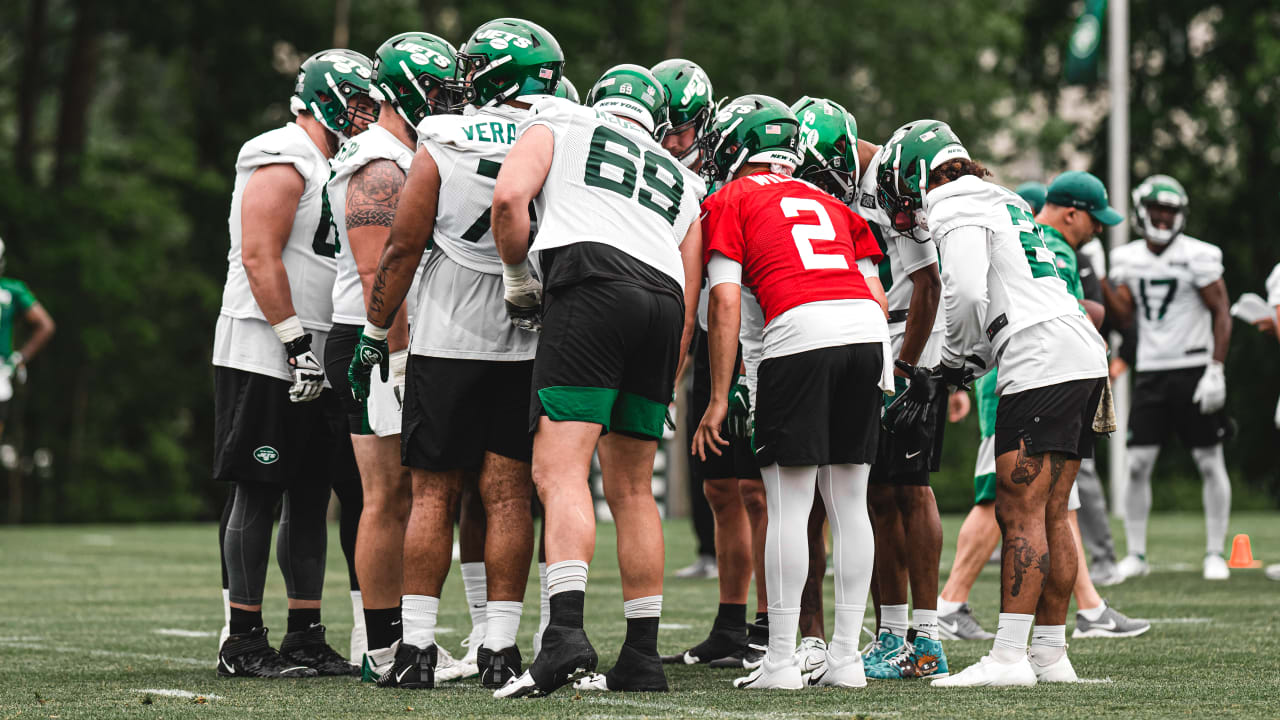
(82, 610)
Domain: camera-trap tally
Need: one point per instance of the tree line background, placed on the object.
(120, 123)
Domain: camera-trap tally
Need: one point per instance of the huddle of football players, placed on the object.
(487, 283)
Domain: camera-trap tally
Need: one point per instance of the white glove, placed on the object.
(523, 297)
(308, 374)
(1211, 391)
(399, 364)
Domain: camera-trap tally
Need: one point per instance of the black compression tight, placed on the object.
(300, 543)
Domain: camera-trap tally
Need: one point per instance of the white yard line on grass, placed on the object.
(178, 693)
(1179, 621)
(679, 710)
(106, 653)
(179, 632)
(1095, 681)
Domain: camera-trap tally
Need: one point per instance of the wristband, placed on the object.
(289, 329)
(399, 362)
(517, 274)
(373, 332)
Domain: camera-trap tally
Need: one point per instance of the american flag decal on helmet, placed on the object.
(545, 73)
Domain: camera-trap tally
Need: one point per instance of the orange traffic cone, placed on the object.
(1242, 553)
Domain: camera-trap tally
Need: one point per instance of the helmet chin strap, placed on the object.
(690, 157)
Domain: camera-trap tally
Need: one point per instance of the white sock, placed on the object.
(643, 607)
(226, 607)
(544, 608)
(1048, 643)
(418, 615)
(1216, 495)
(474, 584)
(1137, 506)
(1093, 614)
(894, 619)
(926, 623)
(1011, 637)
(565, 576)
(844, 641)
(946, 607)
(502, 625)
(788, 498)
(357, 608)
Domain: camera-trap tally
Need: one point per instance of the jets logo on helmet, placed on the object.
(414, 73)
(328, 82)
(828, 147)
(1161, 191)
(501, 39)
(903, 181)
(750, 129)
(691, 103)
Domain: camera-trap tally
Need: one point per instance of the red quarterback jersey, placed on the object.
(796, 243)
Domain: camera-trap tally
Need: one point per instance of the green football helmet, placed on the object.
(506, 59)
(327, 83)
(632, 92)
(750, 129)
(1159, 190)
(414, 72)
(828, 147)
(692, 103)
(910, 155)
(567, 90)
(1034, 193)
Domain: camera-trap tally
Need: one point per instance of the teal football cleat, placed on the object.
(886, 645)
(920, 657)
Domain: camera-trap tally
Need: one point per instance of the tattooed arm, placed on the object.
(372, 196)
(410, 235)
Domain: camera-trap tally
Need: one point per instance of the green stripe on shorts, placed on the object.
(638, 415)
(984, 488)
(580, 404)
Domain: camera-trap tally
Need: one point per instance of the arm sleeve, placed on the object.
(1206, 265)
(964, 269)
(722, 229)
(721, 269)
(868, 268)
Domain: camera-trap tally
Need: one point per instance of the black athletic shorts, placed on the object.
(457, 410)
(737, 460)
(607, 355)
(339, 348)
(1055, 418)
(259, 436)
(905, 461)
(1162, 402)
(820, 407)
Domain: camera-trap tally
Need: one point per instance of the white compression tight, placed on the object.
(789, 495)
(1216, 495)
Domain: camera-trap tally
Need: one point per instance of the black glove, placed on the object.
(906, 414)
(955, 377)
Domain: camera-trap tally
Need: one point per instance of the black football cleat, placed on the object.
(307, 647)
(566, 655)
(250, 655)
(498, 668)
(723, 642)
(413, 669)
(635, 671)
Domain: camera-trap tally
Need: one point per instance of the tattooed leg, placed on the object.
(1054, 601)
(1022, 493)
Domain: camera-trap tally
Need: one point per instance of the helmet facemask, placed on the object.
(1157, 235)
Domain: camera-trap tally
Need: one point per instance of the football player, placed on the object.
(620, 250)
(469, 369)
(16, 300)
(411, 74)
(1006, 302)
(1273, 299)
(811, 262)
(276, 425)
(726, 480)
(904, 511)
(1170, 286)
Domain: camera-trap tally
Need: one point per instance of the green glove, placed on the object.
(738, 424)
(370, 350)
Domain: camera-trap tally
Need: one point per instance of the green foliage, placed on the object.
(129, 252)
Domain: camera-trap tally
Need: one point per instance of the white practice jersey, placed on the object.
(308, 257)
(469, 150)
(1175, 327)
(611, 183)
(1273, 287)
(376, 143)
(999, 279)
(903, 254)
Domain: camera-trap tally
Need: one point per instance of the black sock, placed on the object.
(566, 608)
(301, 619)
(731, 615)
(642, 634)
(382, 626)
(242, 621)
(762, 619)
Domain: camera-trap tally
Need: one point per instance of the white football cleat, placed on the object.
(375, 663)
(989, 672)
(784, 675)
(1058, 671)
(811, 655)
(469, 663)
(1134, 566)
(838, 672)
(359, 643)
(1215, 567)
(450, 668)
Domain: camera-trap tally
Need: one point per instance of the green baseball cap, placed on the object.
(1083, 191)
(1033, 192)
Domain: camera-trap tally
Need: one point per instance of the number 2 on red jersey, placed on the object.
(805, 234)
